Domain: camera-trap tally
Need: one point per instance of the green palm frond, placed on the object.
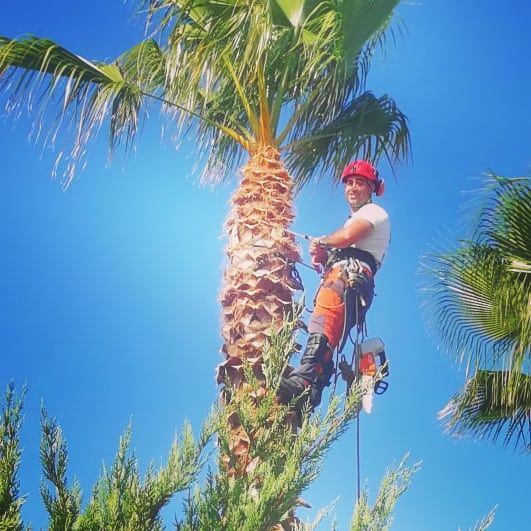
(86, 93)
(481, 296)
(367, 127)
(212, 51)
(43, 55)
(478, 304)
(289, 13)
(145, 64)
(483, 410)
(365, 23)
(333, 52)
(234, 74)
(482, 301)
(312, 63)
(208, 42)
(506, 221)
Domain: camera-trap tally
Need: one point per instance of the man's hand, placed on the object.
(316, 246)
(318, 254)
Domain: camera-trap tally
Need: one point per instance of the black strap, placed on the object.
(336, 255)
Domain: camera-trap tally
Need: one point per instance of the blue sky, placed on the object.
(109, 289)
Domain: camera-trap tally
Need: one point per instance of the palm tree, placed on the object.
(483, 308)
(280, 83)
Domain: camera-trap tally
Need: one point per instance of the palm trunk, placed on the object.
(258, 281)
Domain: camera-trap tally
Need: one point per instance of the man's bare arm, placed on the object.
(346, 236)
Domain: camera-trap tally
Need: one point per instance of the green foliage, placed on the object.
(379, 517)
(367, 125)
(482, 301)
(483, 409)
(485, 522)
(282, 71)
(284, 461)
(10, 499)
(122, 500)
(40, 74)
(64, 504)
(235, 75)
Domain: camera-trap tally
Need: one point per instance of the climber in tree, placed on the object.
(350, 257)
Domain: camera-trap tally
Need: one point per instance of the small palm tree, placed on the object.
(483, 308)
(278, 82)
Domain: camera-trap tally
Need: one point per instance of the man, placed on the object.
(350, 256)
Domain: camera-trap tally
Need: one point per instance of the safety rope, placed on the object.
(358, 493)
(280, 255)
(354, 375)
(350, 375)
(354, 364)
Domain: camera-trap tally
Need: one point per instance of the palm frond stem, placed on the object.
(244, 142)
(251, 116)
(266, 135)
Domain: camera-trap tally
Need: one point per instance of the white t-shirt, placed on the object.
(378, 239)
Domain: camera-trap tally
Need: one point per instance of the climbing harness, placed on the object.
(338, 255)
(359, 291)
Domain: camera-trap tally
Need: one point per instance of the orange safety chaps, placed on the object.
(328, 316)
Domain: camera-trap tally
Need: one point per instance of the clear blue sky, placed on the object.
(109, 290)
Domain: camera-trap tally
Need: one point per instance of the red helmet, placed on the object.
(365, 169)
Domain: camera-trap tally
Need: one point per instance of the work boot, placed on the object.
(313, 374)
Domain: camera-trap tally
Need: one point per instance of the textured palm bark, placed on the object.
(258, 281)
(258, 278)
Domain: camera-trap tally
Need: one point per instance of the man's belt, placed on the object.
(336, 255)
